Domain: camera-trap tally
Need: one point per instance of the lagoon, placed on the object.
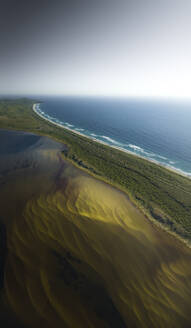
(79, 251)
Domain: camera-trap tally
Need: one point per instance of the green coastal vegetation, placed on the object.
(163, 195)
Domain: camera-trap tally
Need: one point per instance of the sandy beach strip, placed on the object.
(171, 169)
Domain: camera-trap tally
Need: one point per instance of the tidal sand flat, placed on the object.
(79, 253)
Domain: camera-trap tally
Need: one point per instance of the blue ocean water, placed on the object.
(156, 130)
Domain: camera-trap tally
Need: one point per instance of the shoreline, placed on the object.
(157, 224)
(137, 177)
(171, 169)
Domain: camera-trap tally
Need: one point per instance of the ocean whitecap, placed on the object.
(110, 140)
(136, 148)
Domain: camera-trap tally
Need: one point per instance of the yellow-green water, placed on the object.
(81, 255)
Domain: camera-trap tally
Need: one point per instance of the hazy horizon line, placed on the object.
(141, 97)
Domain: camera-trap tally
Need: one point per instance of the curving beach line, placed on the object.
(171, 169)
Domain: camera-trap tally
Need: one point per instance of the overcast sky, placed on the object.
(96, 47)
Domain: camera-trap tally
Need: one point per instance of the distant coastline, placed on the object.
(160, 193)
(172, 169)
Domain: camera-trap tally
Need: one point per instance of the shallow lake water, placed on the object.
(79, 254)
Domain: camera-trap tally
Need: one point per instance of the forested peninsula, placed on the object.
(162, 195)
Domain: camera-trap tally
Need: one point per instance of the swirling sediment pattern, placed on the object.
(82, 255)
(79, 254)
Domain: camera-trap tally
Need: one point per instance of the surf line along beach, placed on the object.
(161, 193)
(37, 110)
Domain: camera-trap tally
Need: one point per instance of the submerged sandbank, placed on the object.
(80, 254)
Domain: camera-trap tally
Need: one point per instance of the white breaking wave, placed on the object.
(162, 157)
(136, 148)
(68, 124)
(121, 146)
(188, 174)
(143, 152)
(111, 140)
(94, 135)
